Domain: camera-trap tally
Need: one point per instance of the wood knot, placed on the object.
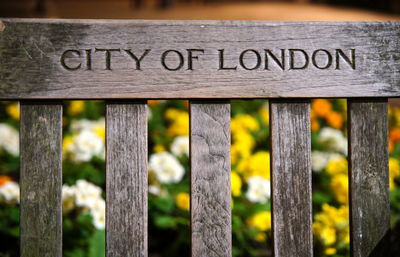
(2, 26)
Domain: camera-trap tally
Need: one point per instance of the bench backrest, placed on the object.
(208, 62)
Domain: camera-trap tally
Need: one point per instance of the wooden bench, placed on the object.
(43, 62)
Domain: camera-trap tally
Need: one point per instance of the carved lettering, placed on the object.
(258, 59)
(292, 59)
(180, 63)
(329, 59)
(221, 61)
(246, 59)
(351, 61)
(281, 63)
(88, 59)
(107, 55)
(191, 57)
(64, 55)
(135, 58)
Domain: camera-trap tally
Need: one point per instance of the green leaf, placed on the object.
(97, 244)
(164, 204)
(165, 222)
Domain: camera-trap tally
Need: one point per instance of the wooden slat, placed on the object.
(291, 178)
(126, 173)
(210, 179)
(41, 179)
(369, 179)
(68, 59)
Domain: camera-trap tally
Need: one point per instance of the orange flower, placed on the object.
(391, 146)
(152, 102)
(313, 117)
(4, 179)
(394, 134)
(186, 104)
(321, 107)
(335, 120)
(314, 125)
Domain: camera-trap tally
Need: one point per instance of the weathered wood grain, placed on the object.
(369, 178)
(291, 178)
(210, 178)
(41, 179)
(31, 55)
(126, 173)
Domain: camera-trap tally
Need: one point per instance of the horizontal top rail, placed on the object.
(104, 59)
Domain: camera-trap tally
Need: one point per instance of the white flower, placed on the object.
(9, 139)
(319, 159)
(333, 139)
(86, 194)
(98, 211)
(180, 146)
(259, 189)
(86, 144)
(9, 192)
(155, 190)
(84, 124)
(99, 220)
(87, 197)
(166, 167)
(68, 198)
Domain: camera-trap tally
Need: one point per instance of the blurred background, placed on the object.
(205, 9)
(169, 223)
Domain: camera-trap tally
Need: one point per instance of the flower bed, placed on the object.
(169, 220)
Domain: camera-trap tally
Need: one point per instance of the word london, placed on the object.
(188, 59)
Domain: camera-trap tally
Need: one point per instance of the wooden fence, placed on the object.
(125, 63)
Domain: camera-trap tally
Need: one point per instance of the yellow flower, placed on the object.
(330, 251)
(100, 131)
(396, 114)
(394, 171)
(67, 142)
(260, 221)
(264, 112)
(76, 107)
(332, 225)
(257, 164)
(170, 114)
(183, 201)
(13, 110)
(179, 122)
(159, 148)
(261, 236)
(328, 234)
(244, 122)
(244, 141)
(340, 185)
(236, 184)
(337, 165)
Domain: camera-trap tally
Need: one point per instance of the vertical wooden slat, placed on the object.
(210, 178)
(291, 178)
(41, 179)
(369, 179)
(126, 173)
